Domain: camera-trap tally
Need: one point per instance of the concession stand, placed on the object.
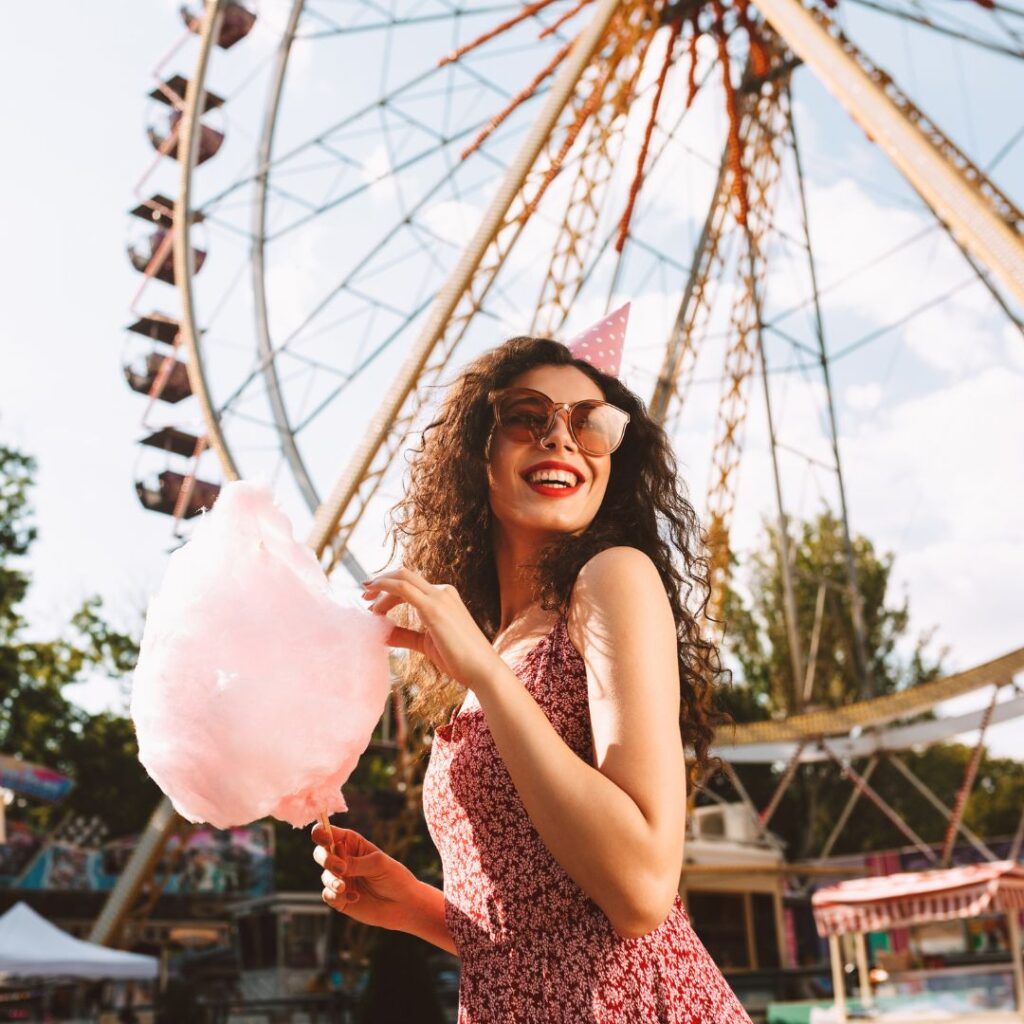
(878, 904)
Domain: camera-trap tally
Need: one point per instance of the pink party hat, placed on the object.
(601, 345)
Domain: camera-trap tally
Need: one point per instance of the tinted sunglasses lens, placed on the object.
(598, 428)
(522, 417)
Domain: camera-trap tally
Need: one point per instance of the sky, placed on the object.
(930, 426)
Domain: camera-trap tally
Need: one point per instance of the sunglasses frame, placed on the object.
(493, 397)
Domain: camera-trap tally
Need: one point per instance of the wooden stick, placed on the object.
(326, 822)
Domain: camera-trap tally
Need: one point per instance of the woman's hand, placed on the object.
(451, 639)
(362, 881)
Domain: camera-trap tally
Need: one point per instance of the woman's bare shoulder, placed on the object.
(613, 590)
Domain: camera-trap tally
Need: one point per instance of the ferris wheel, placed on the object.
(366, 196)
(349, 199)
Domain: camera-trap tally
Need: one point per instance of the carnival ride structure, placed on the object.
(406, 185)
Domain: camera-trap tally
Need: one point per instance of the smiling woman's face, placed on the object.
(520, 506)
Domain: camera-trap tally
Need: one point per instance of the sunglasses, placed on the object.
(526, 415)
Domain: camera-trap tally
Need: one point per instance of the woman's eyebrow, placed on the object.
(537, 391)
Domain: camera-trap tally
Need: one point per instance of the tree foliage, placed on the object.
(37, 721)
(756, 626)
(757, 641)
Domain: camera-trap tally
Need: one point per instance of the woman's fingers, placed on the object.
(337, 892)
(338, 835)
(332, 881)
(385, 603)
(337, 865)
(354, 867)
(412, 639)
(329, 860)
(396, 591)
(402, 574)
(346, 840)
(338, 900)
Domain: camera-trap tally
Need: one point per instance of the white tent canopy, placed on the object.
(32, 947)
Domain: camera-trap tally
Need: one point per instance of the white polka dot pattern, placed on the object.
(601, 345)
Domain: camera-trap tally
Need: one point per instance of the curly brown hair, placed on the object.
(444, 520)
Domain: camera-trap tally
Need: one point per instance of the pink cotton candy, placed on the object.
(255, 691)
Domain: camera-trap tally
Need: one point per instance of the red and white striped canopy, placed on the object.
(916, 897)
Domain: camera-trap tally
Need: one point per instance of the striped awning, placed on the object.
(917, 897)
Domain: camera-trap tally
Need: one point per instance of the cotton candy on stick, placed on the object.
(255, 690)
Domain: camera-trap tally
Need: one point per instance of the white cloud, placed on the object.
(863, 397)
(957, 337)
(954, 452)
(453, 220)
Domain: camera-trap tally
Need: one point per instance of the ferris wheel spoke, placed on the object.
(869, 264)
(880, 332)
(408, 21)
(962, 34)
(323, 136)
(319, 306)
(287, 346)
(424, 154)
(377, 352)
(1005, 149)
(996, 5)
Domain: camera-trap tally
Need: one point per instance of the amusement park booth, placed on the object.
(849, 910)
(732, 888)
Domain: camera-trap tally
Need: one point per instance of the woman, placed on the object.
(542, 520)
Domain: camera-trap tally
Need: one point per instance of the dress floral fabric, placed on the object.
(534, 948)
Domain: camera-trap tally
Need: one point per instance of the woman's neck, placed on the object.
(513, 558)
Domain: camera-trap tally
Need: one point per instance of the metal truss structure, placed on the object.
(533, 138)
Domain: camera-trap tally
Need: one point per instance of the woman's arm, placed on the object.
(426, 918)
(617, 828)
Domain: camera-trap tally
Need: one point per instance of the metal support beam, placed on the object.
(970, 773)
(860, 647)
(900, 765)
(835, 955)
(381, 424)
(780, 790)
(867, 997)
(844, 816)
(796, 661)
(862, 784)
(979, 214)
(1013, 927)
(188, 148)
(135, 874)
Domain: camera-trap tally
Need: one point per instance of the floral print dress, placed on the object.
(534, 948)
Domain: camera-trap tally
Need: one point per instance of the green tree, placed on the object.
(37, 721)
(757, 641)
(756, 627)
